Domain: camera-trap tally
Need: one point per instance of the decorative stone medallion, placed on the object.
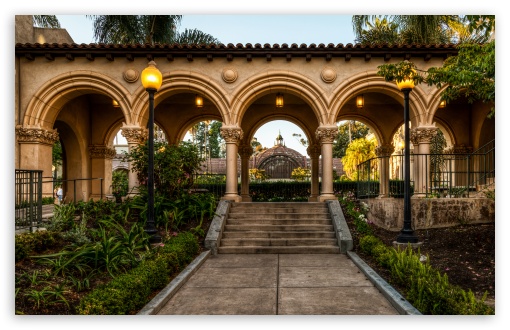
(328, 75)
(131, 75)
(229, 75)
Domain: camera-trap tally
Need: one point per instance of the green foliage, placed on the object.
(131, 291)
(63, 217)
(46, 21)
(28, 243)
(347, 132)
(359, 150)
(422, 29)
(174, 166)
(426, 289)
(57, 154)
(120, 183)
(78, 234)
(470, 74)
(113, 250)
(381, 31)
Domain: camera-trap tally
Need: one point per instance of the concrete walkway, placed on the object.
(275, 284)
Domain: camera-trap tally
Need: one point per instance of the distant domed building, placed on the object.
(279, 161)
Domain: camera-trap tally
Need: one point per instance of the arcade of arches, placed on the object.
(66, 91)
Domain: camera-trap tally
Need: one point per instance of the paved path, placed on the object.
(285, 284)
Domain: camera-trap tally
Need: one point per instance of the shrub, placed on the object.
(428, 290)
(27, 243)
(131, 291)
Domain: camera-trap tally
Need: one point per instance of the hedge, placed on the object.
(129, 292)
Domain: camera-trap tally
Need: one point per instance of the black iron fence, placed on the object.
(28, 199)
(432, 175)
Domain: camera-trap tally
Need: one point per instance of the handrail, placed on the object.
(439, 174)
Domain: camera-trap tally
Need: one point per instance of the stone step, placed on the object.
(279, 249)
(266, 216)
(278, 205)
(278, 242)
(278, 234)
(269, 221)
(278, 210)
(290, 228)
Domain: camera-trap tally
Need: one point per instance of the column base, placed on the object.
(313, 198)
(326, 197)
(234, 198)
(246, 198)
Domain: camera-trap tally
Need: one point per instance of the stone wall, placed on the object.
(431, 213)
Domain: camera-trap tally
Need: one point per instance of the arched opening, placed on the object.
(83, 124)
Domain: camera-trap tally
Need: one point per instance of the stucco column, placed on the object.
(35, 147)
(314, 151)
(384, 151)
(232, 136)
(134, 136)
(326, 135)
(421, 138)
(101, 157)
(245, 151)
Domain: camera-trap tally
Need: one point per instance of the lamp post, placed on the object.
(407, 233)
(151, 81)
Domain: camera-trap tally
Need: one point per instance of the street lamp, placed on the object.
(151, 81)
(407, 233)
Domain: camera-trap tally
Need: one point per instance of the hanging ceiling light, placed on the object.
(442, 104)
(360, 101)
(199, 101)
(115, 104)
(279, 100)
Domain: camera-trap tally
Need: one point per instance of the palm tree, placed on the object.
(145, 29)
(195, 36)
(46, 21)
(380, 31)
(420, 29)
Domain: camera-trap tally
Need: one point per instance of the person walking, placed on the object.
(59, 195)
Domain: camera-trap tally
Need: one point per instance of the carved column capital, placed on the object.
(231, 134)
(101, 151)
(326, 134)
(136, 135)
(313, 150)
(384, 150)
(422, 134)
(245, 151)
(36, 135)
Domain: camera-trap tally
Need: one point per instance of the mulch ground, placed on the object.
(466, 253)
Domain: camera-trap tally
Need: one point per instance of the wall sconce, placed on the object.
(115, 104)
(360, 101)
(442, 104)
(279, 100)
(199, 101)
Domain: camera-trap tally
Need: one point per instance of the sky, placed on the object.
(243, 28)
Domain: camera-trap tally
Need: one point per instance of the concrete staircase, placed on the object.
(278, 228)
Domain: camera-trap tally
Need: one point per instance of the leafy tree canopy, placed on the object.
(347, 132)
(358, 151)
(471, 73)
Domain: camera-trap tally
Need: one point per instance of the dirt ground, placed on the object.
(466, 253)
